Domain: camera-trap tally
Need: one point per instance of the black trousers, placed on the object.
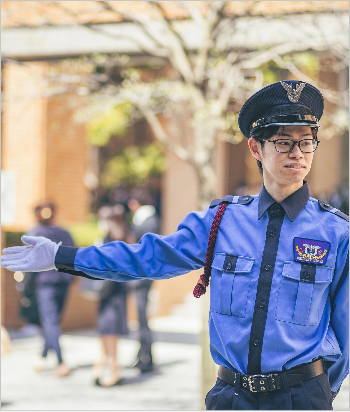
(313, 394)
(145, 334)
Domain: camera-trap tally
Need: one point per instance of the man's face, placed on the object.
(284, 169)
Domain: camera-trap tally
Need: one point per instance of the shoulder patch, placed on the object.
(342, 215)
(216, 202)
(241, 200)
(325, 206)
(245, 200)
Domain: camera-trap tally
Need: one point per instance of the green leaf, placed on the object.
(133, 165)
(84, 234)
(103, 126)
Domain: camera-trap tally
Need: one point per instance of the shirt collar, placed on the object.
(292, 205)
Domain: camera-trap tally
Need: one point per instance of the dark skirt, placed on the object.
(112, 315)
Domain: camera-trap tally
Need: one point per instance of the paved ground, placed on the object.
(175, 385)
(341, 402)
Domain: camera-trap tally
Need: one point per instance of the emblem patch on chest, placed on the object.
(311, 251)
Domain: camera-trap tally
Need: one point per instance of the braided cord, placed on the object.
(200, 289)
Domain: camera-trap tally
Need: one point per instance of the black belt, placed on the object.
(273, 381)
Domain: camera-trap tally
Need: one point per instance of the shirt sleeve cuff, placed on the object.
(64, 261)
(65, 257)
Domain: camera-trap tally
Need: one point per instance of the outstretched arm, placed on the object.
(154, 257)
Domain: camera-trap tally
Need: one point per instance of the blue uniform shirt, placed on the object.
(279, 281)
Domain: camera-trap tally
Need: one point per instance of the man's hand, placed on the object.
(37, 256)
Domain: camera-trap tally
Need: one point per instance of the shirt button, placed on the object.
(256, 342)
(267, 267)
(272, 232)
(306, 275)
(229, 266)
(261, 304)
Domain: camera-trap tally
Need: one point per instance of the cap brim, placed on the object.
(289, 124)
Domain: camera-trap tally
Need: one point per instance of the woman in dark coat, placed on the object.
(112, 321)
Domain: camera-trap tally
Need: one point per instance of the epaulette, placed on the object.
(241, 200)
(331, 209)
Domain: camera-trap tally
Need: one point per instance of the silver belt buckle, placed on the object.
(251, 382)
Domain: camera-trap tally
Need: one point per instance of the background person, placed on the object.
(112, 314)
(51, 287)
(144, 220)
(5, 341)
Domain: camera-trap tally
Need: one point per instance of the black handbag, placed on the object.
(28, 303)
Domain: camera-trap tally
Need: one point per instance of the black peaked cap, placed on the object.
(285, 102)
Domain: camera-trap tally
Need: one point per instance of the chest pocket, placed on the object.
(233, 273)
(303, 293)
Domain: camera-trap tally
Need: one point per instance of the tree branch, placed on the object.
(158, 51)
(194, 13)
(160, 135)
(137, 18)
(176, 53)
(331, 97)
(178, 57)
(234, 79)
(154, 52)
(229, 22)
(215, 8)
(161, 13)
(252, 60)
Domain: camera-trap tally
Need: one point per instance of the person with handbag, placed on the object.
(112, 306)
(277, 263)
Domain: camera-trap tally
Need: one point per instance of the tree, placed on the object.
(213, 80)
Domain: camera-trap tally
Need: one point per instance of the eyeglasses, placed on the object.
(287, 145)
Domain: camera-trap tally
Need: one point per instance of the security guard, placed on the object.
(277, 263)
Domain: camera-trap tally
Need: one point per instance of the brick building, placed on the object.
(47, 150)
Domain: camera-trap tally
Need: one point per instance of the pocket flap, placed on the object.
(292, 270)
(243, 265)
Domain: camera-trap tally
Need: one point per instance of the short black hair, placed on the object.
(45, 218)
(264, 133)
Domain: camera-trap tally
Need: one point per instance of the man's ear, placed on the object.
(255, 148)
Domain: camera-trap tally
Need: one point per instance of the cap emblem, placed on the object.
(293, 95)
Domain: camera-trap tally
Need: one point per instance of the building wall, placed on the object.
(179, 197)
(24, 137)
(66, 159)
(47, 151)
(327, 166)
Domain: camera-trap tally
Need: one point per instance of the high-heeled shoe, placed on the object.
(120, 381)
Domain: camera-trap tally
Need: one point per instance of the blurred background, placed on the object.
(101, 97)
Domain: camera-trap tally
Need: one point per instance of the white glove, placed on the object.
(38, 256)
